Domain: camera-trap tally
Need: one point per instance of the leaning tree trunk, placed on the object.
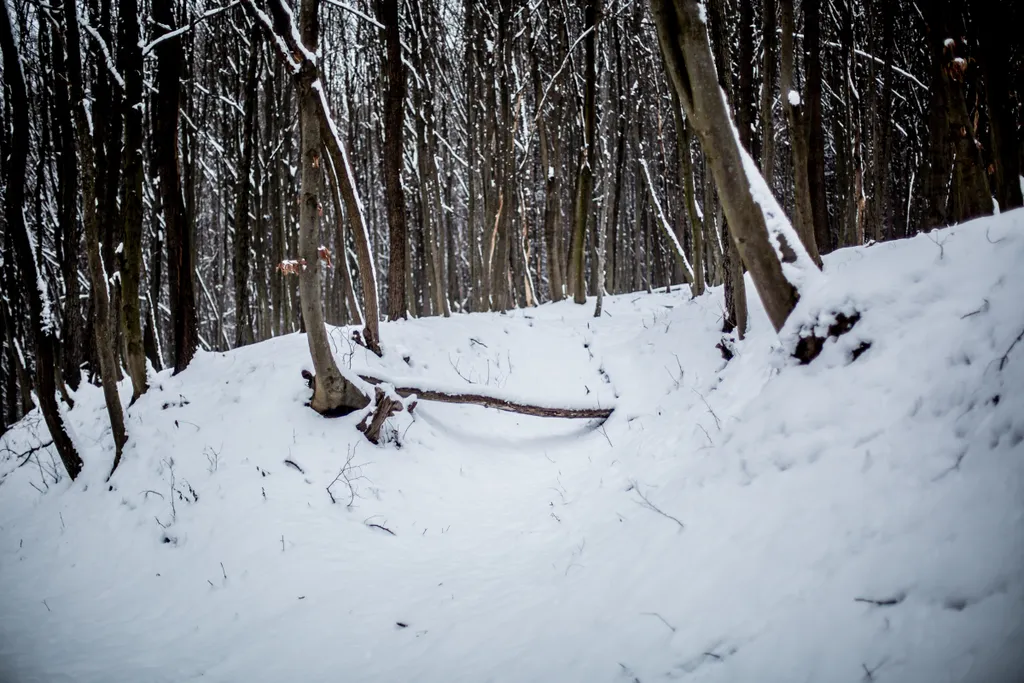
(43, 325)
(755, 220)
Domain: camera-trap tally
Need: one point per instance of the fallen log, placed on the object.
(496, 402)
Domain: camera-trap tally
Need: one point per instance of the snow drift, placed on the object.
(852, 519)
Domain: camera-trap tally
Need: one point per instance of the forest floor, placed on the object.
(750, 520)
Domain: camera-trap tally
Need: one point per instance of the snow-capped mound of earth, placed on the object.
(857, 518)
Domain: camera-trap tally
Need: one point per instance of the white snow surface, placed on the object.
(522, 548)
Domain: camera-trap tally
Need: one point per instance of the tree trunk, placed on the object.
(799, 133)
(585, 176)
(332, 393)
(130, 63)
(43, 325)
(998, 33)
(956, 184)
(394, 124)
(815, 128)
(106, 350)
(682, 35)
(242, 244)
(768, 71)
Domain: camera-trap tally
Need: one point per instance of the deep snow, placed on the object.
(526, 549)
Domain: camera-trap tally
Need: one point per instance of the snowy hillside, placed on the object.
(755, 520)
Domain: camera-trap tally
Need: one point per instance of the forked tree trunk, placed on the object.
(332, 393)
(43, 325)
(103, 337)
(682, 35)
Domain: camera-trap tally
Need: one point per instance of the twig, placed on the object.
(1006, 356)
(663, 620)
(884, 602)
(718, 422)
(224, 571)
(382, 528)
(984, 308)
(645, 502)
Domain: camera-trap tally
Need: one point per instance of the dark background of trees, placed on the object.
(467, 127)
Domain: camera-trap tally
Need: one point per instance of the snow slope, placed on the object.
(730, 522)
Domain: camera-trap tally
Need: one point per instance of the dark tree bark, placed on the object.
(815, 127)
(956, 185)
(102, 323)
(585, 176)
(181, 278)
(799, 133)
(69, 234)
(735, 317)
(682, 35)
(43, 325)
(768, 72)
(394, 124)
(130, 62)
(998, 32)
(243, 193)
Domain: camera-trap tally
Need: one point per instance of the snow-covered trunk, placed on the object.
(766, 242)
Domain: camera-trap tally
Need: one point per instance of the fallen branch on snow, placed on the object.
(496, 402)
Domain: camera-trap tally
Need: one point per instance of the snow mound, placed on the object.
(857, 518)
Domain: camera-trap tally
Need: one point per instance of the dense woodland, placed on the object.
(205, 174)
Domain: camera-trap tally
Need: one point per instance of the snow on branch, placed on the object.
(170, 35)
(664, 221)
(104, 49)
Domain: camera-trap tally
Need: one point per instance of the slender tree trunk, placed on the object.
(768, 71)
(815, 128)
(799, 133)
(242, 244)
(394, 124)
(181, 279)
(130, 62)
(585, 176)
(43, 325)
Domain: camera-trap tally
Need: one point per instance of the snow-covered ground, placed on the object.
(755, 520)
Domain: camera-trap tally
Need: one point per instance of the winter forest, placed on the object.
(550, 305)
